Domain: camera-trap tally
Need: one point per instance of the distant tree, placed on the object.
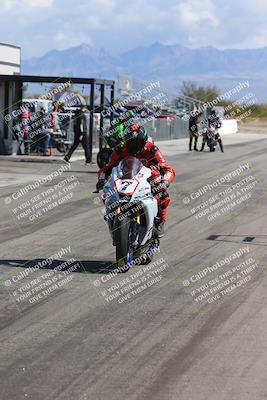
(198, 92)
(34, 96)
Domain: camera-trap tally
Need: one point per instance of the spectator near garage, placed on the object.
(193, 129)
(80, 134)
(24, 132)
(40, 132)
(45, 122)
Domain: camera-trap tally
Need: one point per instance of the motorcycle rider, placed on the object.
(214, 120)
(114, 137)
(137, 144)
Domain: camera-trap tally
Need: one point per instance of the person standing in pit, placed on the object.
(80, 134)
(25, 127)
(193, 130)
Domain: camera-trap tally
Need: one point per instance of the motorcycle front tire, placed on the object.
(123, 247)
(62, 147)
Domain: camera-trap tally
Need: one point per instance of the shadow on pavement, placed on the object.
(252, 239)
(89, 266)
(84, 172)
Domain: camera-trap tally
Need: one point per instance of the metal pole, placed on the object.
(112, 94)
(91, 120)
(6, 108)
(102, 105)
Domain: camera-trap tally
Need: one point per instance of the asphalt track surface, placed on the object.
(149, 334)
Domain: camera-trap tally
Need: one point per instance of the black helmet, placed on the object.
(135, 138)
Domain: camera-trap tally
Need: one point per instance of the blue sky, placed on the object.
(118, 25)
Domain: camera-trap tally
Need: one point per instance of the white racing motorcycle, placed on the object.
(131, 213)
(212, 137)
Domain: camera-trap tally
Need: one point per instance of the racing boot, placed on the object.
(195, 144)
(161, 229)
(190, 143)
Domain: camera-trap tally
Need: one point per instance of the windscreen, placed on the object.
(129, 167)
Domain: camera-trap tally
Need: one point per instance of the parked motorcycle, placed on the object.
(61, 141)
(212, 138)
(131, 213)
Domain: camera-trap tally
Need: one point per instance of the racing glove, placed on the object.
(159, 185)
(100, 184)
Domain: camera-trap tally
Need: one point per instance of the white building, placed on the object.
(10, 62)
(10, 59)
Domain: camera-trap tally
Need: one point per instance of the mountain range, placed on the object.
(171, 64)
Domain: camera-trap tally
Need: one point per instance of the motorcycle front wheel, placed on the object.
(62, 147)
(123, 245)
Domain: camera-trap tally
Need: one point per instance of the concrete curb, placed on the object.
(38, 159)
(78, 156)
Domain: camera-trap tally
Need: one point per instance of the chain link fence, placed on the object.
(167, 128)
